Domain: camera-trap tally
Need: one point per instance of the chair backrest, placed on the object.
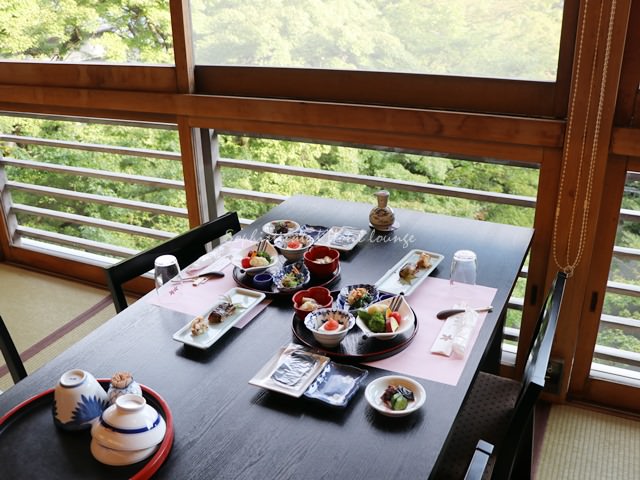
(10, 354)
(186, 247)
(533, 379)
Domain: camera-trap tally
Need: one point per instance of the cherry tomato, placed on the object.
(331, 325)
(396, 315)
(246, 262)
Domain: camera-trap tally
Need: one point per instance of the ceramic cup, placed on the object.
(78, 400)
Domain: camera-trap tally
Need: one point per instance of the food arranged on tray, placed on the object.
(293, 245)
(329, 326)
(406, 275)
(354, 297)
(256, 258)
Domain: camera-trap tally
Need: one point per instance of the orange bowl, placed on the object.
(318, 252)
(321, 295)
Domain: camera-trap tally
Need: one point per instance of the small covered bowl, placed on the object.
(305, 301)
(292, 277)
(322, 322)
(293, 245)
(321, 260)
(130, 424)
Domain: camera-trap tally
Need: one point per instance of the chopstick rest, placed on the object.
(455, 334)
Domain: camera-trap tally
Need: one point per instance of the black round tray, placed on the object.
(356, 347)
(244, 280)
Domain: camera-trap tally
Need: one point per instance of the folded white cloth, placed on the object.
(455, 334)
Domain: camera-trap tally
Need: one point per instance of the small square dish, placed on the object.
(241, 301)
(290, 371)
(336, 384)
(342, 238)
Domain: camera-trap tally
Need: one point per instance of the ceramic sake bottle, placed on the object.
(382, 217)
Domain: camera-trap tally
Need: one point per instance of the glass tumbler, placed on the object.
(165, 268)
(463, 267)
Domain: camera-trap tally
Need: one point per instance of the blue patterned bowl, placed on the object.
(343, 297)
(78, 400)
(288, 271)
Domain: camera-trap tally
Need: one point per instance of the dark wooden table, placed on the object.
(226, 428)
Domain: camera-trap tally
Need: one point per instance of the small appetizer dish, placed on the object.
(292, 277)
(306, 301)
(406, 275)
(395, 395)
(293, 245)
(329, 326)
(263, 281)
(256, 258)
(322, 261)
(354, 297)
(280, 227)
(386, 319)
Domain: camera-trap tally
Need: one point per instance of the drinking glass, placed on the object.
(463, 267)
(165, 268)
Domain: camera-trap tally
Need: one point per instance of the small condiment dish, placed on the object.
(292, 246)
(375, 389)
(320, 295)
(407, 319)
(130, 424)
(316, 320)
(322, 261)
(263, 281)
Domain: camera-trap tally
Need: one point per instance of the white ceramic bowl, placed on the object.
(282, 243)
(270, 249)
(78, 400)
(407, 320)
(117, 458)
(318, 317)
(270, 228)
(130, 424)
(375, 389)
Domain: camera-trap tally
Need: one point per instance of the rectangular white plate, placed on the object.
(391, 281)
(264, 377)
(247, 299)
(342, 238)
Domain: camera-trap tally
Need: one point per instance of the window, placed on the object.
(514, 39)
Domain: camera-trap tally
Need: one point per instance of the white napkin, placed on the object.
(455, 334)
(217, 258)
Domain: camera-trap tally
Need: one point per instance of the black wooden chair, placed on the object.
(11, 355)
(493, 434)
(186, 247)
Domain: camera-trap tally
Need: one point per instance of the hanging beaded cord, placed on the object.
(570, 266)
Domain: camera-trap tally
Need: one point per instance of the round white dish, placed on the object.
(130, 424)
(293, 254)
(407, 321)
(118, 458)
(269, 228)
(376, 388)
(330, 339)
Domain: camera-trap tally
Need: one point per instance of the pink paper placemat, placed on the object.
(185, 298)
(433, 295)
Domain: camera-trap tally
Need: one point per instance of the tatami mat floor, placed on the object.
(46, 315)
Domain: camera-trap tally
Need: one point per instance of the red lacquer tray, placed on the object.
(31, 446)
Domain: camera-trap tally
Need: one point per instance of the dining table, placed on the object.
(227, 428)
